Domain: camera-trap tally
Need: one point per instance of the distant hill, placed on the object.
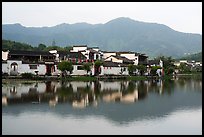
(196, 57)
(121, 34)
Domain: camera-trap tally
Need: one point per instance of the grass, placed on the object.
(79, 78)
(137, 78)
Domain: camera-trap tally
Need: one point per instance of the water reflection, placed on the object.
(120, 101)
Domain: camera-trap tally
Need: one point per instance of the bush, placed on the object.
(27, 75)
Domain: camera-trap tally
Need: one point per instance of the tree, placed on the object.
(97, 65)
(41, 47)
(153, 71)
(65, 66)
(184, 68)
(167, 64)
(131, 69)
(141, 69)
(87, 67)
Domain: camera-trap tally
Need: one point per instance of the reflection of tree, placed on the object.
(49, 87)
(131, 87)
(168, 85)
(142, 90)
(65, 92)
(97, 88)
(93, 90)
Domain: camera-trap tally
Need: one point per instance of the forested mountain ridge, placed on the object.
(121, 34)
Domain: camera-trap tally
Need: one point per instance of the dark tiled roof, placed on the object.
(94, 51)
(110, 64)
(76, 55)
(62, 53)
(30, 53)
(151, 62)
(80, 46)
(123, 58)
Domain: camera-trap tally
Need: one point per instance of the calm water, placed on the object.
(104, 107)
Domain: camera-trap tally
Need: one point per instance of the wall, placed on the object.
(78, 72)
(113, 71)
(22, 68)
(131, 56)
(76, 49)
(4, 55)
(108, 54)
(113, 59)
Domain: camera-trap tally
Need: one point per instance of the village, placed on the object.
(41, 63)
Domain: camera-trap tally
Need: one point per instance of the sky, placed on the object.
(180, 16)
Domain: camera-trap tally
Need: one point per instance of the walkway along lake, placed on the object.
(103, 107)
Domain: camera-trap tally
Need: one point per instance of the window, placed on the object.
(33, 66)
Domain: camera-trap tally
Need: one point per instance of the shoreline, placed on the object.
(8, 79)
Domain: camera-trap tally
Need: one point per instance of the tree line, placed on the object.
(13, 45)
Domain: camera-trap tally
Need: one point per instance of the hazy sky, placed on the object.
(180, 16)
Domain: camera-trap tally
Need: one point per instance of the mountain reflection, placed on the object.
(121, 101)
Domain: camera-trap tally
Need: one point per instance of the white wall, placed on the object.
(5, 68)
(113, 59)
(131, 56)
(76, 49)
(108, 54)
(5, 55)
(113, 71)
(22, 68)
(78, 72)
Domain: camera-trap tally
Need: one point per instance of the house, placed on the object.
(36, 62)
(114, 68)
(158, 63)
(137, 58)
(119, 59)
(107, 54)
(91, 53)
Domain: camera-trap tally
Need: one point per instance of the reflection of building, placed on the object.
(82, 94)
(130, 97)
(4, 100)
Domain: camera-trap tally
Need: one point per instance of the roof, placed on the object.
(30, 53)
(109, 51)
(62, 53)
(113, 64)
(75, 55)
(125, 52)
(122, 58)
(94, 51)
(151, 62)
(80, 46)
(110, 64)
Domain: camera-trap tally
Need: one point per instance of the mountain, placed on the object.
(121, 34)
(196, 57)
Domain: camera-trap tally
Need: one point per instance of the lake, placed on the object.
(104, 107)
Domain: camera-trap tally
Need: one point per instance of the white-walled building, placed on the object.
(107, 54)
(114, 68)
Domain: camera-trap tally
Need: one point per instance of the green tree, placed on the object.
(131, 69)
(168, 64)
(97, 65)
(184, 68)
(65, 66)
(87, 67)
(41, 47)
(141, 69)
(153, 71)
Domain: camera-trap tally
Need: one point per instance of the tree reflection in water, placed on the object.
(117, 100)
